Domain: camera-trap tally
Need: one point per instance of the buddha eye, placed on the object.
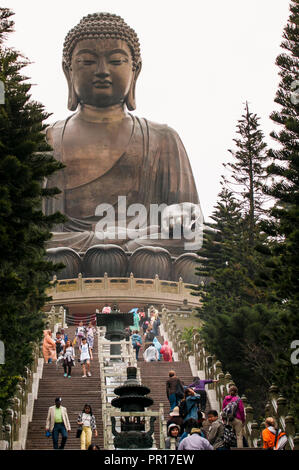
(85, 61)
(118, 60)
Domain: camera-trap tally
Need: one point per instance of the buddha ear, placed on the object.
(130, 99)
(73, 100)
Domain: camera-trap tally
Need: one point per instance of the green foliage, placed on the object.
(251, 258)
(25, 161)
(187, 335)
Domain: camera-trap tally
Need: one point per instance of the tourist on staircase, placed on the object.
(233, 413)
(158, 346)
(195, 441)
(49, 347)
(145, 324)
(68, 359)
(64, 336)
(136, 342)
(87, 422)
(173, 431)
(166, 352)
(189, 405)
(156, 324)
(148, 338)
(136, 319)
(216, 431)
(127, 333)
(175, 418)
(85, 357)
(188, 425)
(273, 437)
(58, 423)
(151, 354)
(80, 333)
(199, 387)
(106, 309)
(141, 314)
(173, 386)
(90, 333)
(59, 343)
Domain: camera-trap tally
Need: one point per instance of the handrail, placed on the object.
(14, 425)
(212, 369)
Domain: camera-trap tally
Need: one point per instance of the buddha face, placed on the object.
(101, 71)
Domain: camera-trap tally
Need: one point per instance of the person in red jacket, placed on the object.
(238, 420)
(166, 352)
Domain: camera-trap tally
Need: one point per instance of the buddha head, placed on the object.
(101, 62)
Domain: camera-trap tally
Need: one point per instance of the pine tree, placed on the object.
(220, 258)
(282, 247)
(284, 226)
(25, 161)
(248, 171)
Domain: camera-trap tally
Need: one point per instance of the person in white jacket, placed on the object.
(151, 354)
(58, 422)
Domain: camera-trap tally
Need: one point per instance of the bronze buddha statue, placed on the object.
(107, 151)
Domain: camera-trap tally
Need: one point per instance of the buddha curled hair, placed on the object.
(103, 26)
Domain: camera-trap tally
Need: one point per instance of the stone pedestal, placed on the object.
(132, 397)
(115, 324)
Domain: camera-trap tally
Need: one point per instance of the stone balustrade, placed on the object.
(212, 369)
(108, 289)
(11, 420)
(277, 407)
(15, 419)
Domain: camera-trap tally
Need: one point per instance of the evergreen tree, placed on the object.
(248, 171)
(228, 298)
(282, 249)
(221, 260)
(284, 225)
(25, 161)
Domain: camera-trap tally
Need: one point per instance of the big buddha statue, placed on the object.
(107, 151)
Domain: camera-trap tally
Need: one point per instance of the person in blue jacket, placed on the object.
(158, 346)
(136, 342)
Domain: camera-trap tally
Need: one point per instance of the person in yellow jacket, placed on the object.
(58, 422)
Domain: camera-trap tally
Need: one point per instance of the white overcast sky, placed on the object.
(201, 61)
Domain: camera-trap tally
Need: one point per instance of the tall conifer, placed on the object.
(25, 161)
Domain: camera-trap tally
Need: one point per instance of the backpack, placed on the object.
(229, 436)
(150, 337)
(183, 409)
(179, 391)
(229, 412)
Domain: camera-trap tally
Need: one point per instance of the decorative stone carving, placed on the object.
(101, 259)
(69, 258)
(184, 266)
(146, 262)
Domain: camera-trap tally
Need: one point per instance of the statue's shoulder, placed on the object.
(53, 130)
(160, 130)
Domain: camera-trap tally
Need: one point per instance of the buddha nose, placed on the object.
(102, 69)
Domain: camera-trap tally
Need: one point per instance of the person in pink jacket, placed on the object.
(166, 352)
(238, 420)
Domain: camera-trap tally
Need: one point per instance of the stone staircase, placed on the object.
(75, 392)
(154, 375)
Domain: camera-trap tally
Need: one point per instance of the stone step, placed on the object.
(75, 392)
